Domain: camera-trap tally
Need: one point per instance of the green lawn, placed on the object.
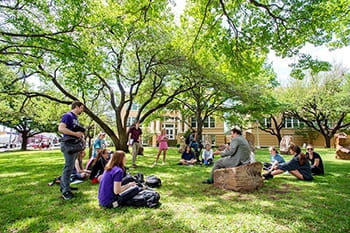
(284, 204)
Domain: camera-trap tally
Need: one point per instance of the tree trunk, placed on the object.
(24, 140)
(327, 139)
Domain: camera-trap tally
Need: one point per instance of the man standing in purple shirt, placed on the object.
(134, 139)
(69, 126)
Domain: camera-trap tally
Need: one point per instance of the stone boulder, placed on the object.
(245, 178)
(251, 140)
(286, 142)
(342, 143)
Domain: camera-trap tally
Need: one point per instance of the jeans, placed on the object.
(67, 169)
(135, 151)
(194, 145)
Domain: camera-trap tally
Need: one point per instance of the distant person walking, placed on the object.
(134, 140)
(70, 126)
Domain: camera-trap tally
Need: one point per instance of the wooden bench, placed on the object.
(245, 178)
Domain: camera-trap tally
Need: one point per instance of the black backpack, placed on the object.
(145, 198)
(153, 181)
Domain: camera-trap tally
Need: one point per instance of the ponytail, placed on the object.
(302, 158)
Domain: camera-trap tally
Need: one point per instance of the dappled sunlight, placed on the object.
(14, 174)
(284, 204)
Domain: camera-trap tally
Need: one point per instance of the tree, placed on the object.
(256, 27)
(322, 102)
(118, 54)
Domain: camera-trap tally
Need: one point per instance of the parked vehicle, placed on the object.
(9, 140)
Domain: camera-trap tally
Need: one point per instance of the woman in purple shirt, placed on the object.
(111, 183)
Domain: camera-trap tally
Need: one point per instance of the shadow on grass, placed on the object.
(283, 204)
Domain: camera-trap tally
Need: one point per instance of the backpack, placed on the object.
(145, 198)
(153, 181)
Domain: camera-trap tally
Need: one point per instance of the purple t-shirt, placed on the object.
(71, 121)
(135, 133)
(105, 191)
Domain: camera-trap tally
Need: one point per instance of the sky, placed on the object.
(339, 56)
(280, 66)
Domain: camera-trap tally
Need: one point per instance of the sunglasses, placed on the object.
(310, 149)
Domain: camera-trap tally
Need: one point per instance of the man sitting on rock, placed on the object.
(236, 155)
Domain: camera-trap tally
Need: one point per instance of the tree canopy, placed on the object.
(118, 53)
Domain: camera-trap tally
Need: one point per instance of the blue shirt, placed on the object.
(105, 191)
(187, 156)
(277, 158)
(98, 144)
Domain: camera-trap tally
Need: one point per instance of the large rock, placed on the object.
(342, 143)
(245, 178)
(251, 140)
(286, 142)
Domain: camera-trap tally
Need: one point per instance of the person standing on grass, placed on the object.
(70, 126)
(134, 140)
(238, 154)
(315, 161)
(111, 182)
(163, 146)
(298, 166)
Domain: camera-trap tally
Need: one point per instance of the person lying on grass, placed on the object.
(297, 166)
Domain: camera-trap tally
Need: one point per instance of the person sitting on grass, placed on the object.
(207, 155)
(98, 169)
(315, 161)
(111, 182)
(297, 166)
(275, 157)
(78, 172)
(187, 157)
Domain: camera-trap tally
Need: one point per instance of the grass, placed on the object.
(284, 204)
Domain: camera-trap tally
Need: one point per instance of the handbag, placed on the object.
(73, 144)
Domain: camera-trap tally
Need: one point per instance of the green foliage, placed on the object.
(283, 204)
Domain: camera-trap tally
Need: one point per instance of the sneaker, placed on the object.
(207, 181)
(163, 163)
(67, 195)
(267, 176)
(155, 164)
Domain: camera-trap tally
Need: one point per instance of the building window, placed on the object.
(130, 121)
(209, 122)
(267, 122)
(170, 130)
(293, 123)
(193, 123)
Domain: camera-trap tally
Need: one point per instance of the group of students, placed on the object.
(303, 165)
(109, 169)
